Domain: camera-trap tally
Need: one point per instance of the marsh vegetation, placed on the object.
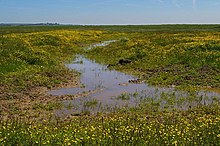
(184, 58)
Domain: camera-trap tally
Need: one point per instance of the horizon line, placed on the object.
(57, 23)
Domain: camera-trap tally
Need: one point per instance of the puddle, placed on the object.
(113, 90)
(105, 43)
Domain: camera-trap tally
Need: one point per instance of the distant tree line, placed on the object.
(29, 24)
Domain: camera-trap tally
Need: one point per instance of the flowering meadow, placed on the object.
(199, 126)
(185, 57)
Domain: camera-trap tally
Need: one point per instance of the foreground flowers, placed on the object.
(200, 126)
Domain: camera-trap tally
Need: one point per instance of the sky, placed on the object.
(100, 12)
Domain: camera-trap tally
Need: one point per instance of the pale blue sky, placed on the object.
(110, 11)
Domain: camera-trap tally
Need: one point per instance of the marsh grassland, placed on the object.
(184, 57)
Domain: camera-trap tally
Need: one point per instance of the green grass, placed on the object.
(30, 60)
(115, 28)
(166, 58)
(199, 126)
(32, 57)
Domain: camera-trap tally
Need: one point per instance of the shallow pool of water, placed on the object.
(113, 90)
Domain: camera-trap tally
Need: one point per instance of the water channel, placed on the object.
(113, 90)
